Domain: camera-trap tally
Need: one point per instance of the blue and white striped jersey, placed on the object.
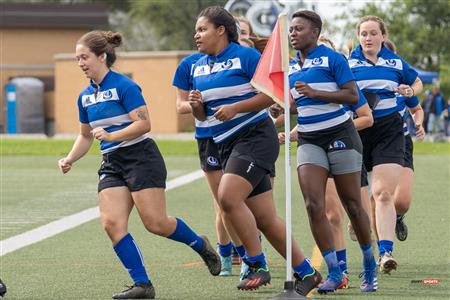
(109, 105)
(402, 103)
(225, 79)
(382, 78)
(326, 70)
(183, 80)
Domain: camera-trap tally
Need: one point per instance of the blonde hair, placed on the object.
(390, 45)
(323, 40)
(380, 22)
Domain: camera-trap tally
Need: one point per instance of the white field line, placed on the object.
(53, 228)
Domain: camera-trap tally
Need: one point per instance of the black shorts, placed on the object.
(137, 167)
(208, 154)
(383, 143)
(255, 146)
(409, 149)
(364, 178)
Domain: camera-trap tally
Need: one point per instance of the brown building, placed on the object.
(152, 71)
(32, 38)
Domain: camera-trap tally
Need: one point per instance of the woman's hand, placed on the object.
(225, 112)
(276, 110)
(64, 165)
(305, 89)
(101, 134)
(405, 90)
(420, 131)
(195, 99)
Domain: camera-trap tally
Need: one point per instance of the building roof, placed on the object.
(39, 15)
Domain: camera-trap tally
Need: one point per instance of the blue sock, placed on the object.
(129, 254)
(332, 263)
(185, 235)
(225, 250)
(342, 260)
(260, 258)
(304, 269)
(240, 250)
(368, 258)
(385, 246)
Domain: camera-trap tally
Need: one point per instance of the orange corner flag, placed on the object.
(269, 77)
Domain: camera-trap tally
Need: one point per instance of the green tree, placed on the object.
(173, 21)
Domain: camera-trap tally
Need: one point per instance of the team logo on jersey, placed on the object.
(359, 62)
(391, 62)
(317, 61)
(107, 95)
(212, 161)
(338, 144)
(227, 65)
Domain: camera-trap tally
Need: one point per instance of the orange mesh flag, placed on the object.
(269, 77)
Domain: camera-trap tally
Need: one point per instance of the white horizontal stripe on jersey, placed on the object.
(313, 110)
(323, 125)
(386, 103)
(201, 123)
(377, 84)
(316, 62)
(227, 92)
(230, 132)
(113, 121)
(127, 143)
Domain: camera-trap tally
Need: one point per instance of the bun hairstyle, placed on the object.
(102, 42)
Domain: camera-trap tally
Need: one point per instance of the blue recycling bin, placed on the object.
(11, 104)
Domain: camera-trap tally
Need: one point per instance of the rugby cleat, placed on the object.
(387, 263)
(330, 285)
(401, 230)
(345, 282)
(137, 291)
(2, 288)
(226, 266)
(256, 277)
(370, 282)
(306, 284)
(210, 257)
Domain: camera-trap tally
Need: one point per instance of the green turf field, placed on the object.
(80, 263)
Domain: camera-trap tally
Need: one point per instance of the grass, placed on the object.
(12, 146)
(80, 263)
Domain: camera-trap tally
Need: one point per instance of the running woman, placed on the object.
(321, 82)
(381, 72)
(112, 110)
(209, 162)
(247, 142)
(403, 191)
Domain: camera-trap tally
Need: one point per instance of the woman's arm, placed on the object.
(365, 118)
(410, 91)
(183, 106)
(346, 94)
(418, 115)
(140, 125)
(80, 147)
(256, 103)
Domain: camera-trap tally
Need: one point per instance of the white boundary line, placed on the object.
(53, 228)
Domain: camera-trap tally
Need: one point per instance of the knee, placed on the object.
(354, 209)
(383, 197)
(316, 210)
(158, 226)
(226, 202)
(335, 217)
(115, 229)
